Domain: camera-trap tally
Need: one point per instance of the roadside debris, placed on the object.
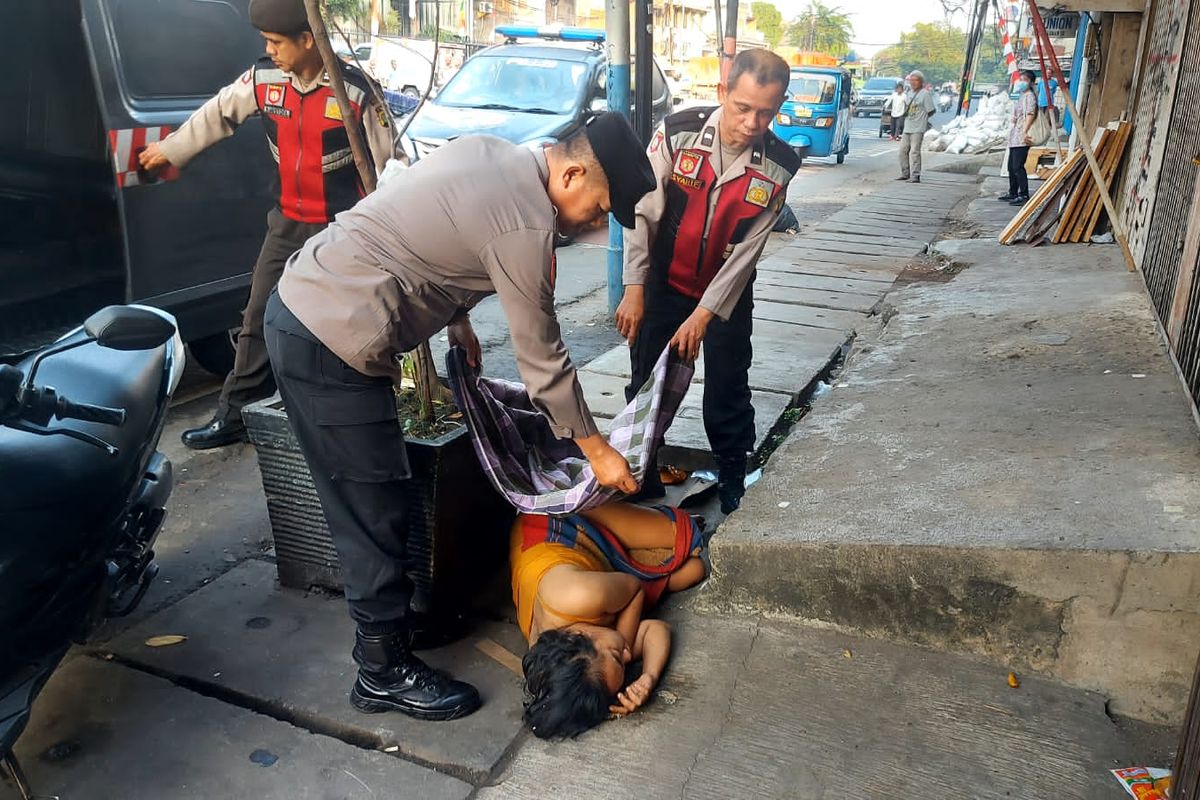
(1145, 783)
(1013, 680)
(166, 640)
(984, 130)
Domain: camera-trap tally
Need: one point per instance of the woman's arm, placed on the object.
(590, 595)
(653, 647)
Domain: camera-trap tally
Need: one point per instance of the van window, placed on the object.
(181, 48)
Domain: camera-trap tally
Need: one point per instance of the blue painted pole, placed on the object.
(1077, 79)
(616, 43)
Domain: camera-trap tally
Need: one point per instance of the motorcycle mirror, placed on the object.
(128, 328)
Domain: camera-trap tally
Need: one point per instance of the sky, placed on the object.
(877, 23)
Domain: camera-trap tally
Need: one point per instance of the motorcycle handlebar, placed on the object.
(89, 413)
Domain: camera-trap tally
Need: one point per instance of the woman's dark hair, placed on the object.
(566, 694)
(1030, 76)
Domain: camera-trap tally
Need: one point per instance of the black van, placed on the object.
(87, 83)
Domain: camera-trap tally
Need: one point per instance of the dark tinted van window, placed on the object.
(181, 48)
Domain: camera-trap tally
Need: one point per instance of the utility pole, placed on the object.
(616, 43)
(643, 101)
(731, 24)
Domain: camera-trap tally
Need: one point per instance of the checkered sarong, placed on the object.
(540, 474)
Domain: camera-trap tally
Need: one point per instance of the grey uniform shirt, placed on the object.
(470, 220)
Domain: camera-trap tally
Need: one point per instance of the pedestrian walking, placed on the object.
(316, 179)
(1024, 114)
(916, 123)
(476, 217)
(721, 182)
(897, 108)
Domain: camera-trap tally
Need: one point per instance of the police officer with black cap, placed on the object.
(316, 177)
(476, 217)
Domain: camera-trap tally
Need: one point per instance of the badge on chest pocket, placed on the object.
(687, 169)
(759, 192)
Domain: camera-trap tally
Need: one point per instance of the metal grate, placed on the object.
(1152, 111)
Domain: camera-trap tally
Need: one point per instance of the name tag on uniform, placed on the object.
(687, 169)
(759, 192)
(332, 109)
(276, 94)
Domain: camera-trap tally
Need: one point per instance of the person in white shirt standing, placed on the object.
(916, 122)
(897, 106)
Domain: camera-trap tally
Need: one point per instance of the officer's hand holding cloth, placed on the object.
(476, 217)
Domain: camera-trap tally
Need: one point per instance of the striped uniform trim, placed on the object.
(125, 145)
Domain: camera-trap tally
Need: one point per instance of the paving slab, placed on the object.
(106, 731)
(845, 321)
(858, 285)
(817, 298)
(813, 715)
(870, 233)
(853, 243)
(786, 359)
(814, 251)
(292, 650)
(802, 266)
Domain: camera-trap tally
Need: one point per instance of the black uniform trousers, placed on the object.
(251, 379)
(728, 411)
(348, 431)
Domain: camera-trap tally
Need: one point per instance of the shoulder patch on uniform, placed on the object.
(247, 76)
(781, 154)
(656, 142)
(382, 114)
(708, 137)
(693, 119)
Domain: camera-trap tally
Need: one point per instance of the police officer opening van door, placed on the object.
(316, 176)
(476, 217)
(721, 181)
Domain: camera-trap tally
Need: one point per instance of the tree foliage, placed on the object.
(936, 49)
(822, 29)
(769, 22)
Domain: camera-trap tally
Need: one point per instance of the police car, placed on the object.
(537, 87)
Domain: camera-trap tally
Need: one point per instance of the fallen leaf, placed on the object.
(666, 697)
(166, 640)
(1013, 681)
(847, 654)
(392, 749)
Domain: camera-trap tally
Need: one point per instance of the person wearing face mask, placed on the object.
(476, 217)
(1024, 114)
(721, 183)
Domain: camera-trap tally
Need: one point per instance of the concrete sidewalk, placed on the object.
(1007, 468)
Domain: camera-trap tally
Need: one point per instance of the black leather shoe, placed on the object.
(219, 432)
(902, 178)
(391, 678)
(1019, 200)
(1004, 198)
(915, 179)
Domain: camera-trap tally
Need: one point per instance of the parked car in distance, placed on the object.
(538, 87)
(874, 93)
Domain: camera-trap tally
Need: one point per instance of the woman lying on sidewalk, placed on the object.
(580, 598)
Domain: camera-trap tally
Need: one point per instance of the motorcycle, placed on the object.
(945, 101)
(83, 493)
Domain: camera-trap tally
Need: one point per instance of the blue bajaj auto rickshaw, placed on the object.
(815, 119)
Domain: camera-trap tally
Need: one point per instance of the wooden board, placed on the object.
(1101, 141)
(1091, 198)
(1037, 203)
(1123, 134)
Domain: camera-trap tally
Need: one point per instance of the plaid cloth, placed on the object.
(540, 474)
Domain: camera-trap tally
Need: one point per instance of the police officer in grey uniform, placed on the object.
(476, 217)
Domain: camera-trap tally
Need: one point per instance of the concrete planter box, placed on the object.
(458, 523)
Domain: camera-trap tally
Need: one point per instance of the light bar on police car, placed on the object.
(566, 34)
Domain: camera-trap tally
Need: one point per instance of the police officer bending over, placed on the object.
(722, 179)
(476, 217)
(316, 179)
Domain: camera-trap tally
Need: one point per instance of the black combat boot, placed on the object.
(731, 482)
(391, 678)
